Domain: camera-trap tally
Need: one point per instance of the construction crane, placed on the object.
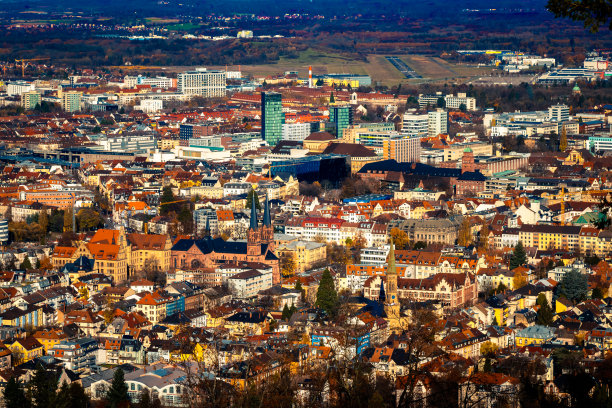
(23, 62)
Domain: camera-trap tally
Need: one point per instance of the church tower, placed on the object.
(267, 231)
(253, 236)
(392, 305)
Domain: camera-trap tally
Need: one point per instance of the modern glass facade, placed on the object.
(272, 117)
(341, 117)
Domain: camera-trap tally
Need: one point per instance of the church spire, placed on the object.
(253, 225)
(266, 215)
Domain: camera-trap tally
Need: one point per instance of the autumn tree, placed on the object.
(563, 140)
(465, 233)
(592, 13)
(400, 238)
(519, 279)
(287, 263)
(483, 239)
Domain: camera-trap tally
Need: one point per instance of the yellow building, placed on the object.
(533, 335)
(149, 252)
(49, 337)
(304, 253)
(26, 349)
(545, 237)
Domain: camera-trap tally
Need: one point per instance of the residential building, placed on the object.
(30, 99)
(202, 82)
(402, 150)
(71, 101)
(437, 122)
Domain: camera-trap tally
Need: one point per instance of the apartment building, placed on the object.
(202, 82)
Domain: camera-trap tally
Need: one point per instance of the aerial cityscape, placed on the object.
(305, 204)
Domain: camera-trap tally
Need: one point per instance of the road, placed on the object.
(403, 68)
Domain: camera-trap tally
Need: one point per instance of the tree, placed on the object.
(462, 107)
(488, 348)
(298, 286)
(574, 286)
(327, 297)
(598, 293)
(332, 99)
(250, 197)
(288, 264)
(483, 238)
(519, 280)
(26, 264)
(43, 221)
(563, 140)
(185, 217)
(42, 387)
(441, 102)
(117, 395)
(68, 219)
(400, 238)
(14, 395)
(592, 13)
(465, 233)
(519, 256)
(545, 313)
(88, 219)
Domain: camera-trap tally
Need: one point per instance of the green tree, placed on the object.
(42, 388)
(545, 313)
(14, 395)
(574, 286)
(332, 99)
(185, 217)
(77, 396)
(167, 202)
(88, 219)
(118, 392)
(327, 297)
(597, 293)
(26, 264)
(286, 315)
(592, 13)
(250, 197)
(298, 286)
(519, 256)
(441, 102)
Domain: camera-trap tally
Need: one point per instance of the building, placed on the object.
(341, 117)
(248, 284)
(149, 252)
(4, 232)
(306, 254)
(533, 335)
(30, 99)
(202, 256)
(202, 82)
(76, 355)
(402, 150)
(272, 117)
(450, 101)
(296, 131)
(71, 101)
(558, 113)
(19, 88)
(437, 122)
(415, 125)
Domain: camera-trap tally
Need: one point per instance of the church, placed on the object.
(208, 253)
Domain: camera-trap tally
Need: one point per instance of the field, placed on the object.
(432, 69)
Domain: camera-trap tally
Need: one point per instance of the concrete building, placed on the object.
(30, 99)
(71, 101)
(19, 88)
(296, 131)
(437, 122)
(451, 101)
(405, 149)
(209, 84)
(558, 113)
(414, 124)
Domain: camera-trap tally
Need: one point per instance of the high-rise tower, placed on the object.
(272, 117)
(253, 234)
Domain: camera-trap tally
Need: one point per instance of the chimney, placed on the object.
(310, 76)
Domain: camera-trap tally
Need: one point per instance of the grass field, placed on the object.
(432, 69)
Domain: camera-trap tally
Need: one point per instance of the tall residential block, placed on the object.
(71, 101)
(437, 122)
(30, 99)
(341, 117)
(403, 150)
(272, 117)
(209, 84)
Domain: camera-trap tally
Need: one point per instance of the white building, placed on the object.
(210, 84)
(248, 284)
(558, 113)
(451, 101)
(437, 122)
(414, 124)
(296, 131)
(150, 105)
(19, 88)
(157, 82)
